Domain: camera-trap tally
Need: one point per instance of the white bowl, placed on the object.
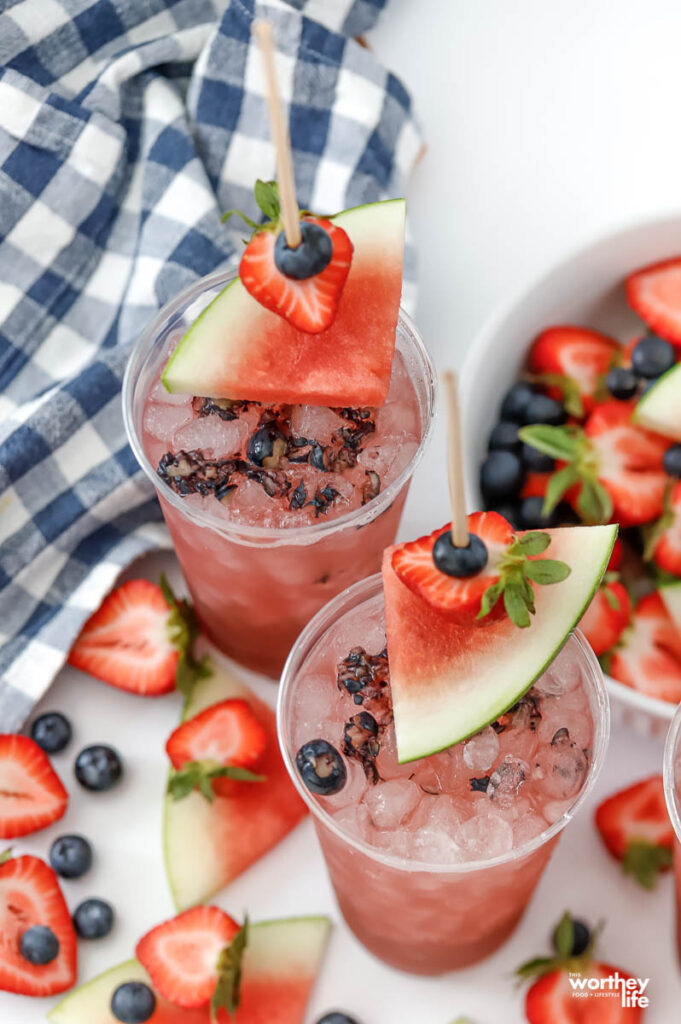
(585, 288)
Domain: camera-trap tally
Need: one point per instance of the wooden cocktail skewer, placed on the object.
(457, 495)
(264, 33)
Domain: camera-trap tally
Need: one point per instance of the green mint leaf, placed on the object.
(546, 570)
(533, 543)
(564, 937)
(594, 504)
(181, 784)
(536, 967)
(6, 855)
(227, 992)
(231, 771)
(200, 774)
(529, 595)
(644, 861)
(559, 483)
(267, 198)
(611, 598)
(559, 442)
(572, 398)
(489, 599)
(515, 603)
(247, 220)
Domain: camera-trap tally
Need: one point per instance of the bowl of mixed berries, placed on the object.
(572, 408)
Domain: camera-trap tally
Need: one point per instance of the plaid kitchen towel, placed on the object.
(126, 127)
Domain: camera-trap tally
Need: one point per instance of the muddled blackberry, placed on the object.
(480, 784)
(323, 498)
(527, 710)
(360, 740)
(225, 408)
(299, 496)
(371, 487)
(365, 677)
(192, 473)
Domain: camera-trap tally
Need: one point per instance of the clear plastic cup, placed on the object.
(672, 792)
(253, 587)
(420, 917)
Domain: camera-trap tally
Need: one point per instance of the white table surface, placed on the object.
(547, 123)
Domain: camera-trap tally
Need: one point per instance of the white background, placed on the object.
(547, 123)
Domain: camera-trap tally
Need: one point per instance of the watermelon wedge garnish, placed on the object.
(239, 349)
(450, 678)
(280, 964)
(208, 844)
(659, 409)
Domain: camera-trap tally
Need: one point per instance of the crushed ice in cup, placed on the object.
(506, 780)
(481, 750)
(485, 835)
(389, 803)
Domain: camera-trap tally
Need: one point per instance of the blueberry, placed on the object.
(652, 357)
(133, 1002)
(535, 461)
(504, 437)
(261, 444)
(39, 945)
(622, 383)
(71, 856)
(309, 258)
(672, 460)
(459, 562)
(98, 767)
(335, 1017)
(501, 475)
(515, 402)
(542, 409)
(93, 919)
(52, 732)
(321, 767)
(530, 516)
(581, 937)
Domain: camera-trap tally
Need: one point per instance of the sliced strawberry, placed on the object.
(535, 485)
(181, 955)
(648, 655)
(616, 556)
(310, 304)
(31, 793)
(140, 640)
(654, 292)
(553, 1000)
(572, 362)
(607, 617)
(666, 534)
(29, 896)
(635, 827)
(508, 572)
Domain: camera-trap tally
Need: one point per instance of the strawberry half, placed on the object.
(664, 543)
(29, 896)
(635, 827)
(648, 655)
(303, 285)
(607, 617)
(561, 994)
(140, 640)
(572, 363)
(31, 793)
(182, 956)
(509, 571)
(654, 292)
(214, 749)
(611, 469)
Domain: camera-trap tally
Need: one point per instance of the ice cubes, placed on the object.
(389, 803)
(507, 779)
(561, 767)
(435, 846)
(220, 438)
(481, 750)
(484, 836)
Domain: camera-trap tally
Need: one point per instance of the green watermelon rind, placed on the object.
(307, 955)
(660, 408)
(416, 748)
(171, 377)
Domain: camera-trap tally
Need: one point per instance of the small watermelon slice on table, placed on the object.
(280, 964)
(659, 409)
(450, 678)
(239, 349)
(206, 844)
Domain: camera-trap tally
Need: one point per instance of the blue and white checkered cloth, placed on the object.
(126, 127)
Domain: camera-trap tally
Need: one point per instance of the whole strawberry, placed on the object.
(572, 987)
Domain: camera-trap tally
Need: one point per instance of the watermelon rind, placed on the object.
(287, 947)
(220, 354)
(448, 684)
(659, 409)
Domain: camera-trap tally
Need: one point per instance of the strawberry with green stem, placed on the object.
(610, 469)
(572, 363)
(635, 827)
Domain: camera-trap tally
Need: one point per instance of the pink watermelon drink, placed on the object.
(287, 487)
(434, 856)
(672, 791)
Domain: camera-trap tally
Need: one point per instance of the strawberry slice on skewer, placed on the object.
(635, 827)
(648, 655)
(654, 292)
(572, 363)
(31, 793)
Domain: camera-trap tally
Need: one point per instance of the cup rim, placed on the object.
(244, 532)
(670, 748)
(362, 591)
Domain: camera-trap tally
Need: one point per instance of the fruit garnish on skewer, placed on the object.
(635, 827)
(453, 605)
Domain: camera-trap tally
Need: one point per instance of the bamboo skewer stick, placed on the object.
(264, 33)
(457, 495)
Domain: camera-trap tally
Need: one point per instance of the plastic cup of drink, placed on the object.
(255, 587)
(425, 918)
(672, 792)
